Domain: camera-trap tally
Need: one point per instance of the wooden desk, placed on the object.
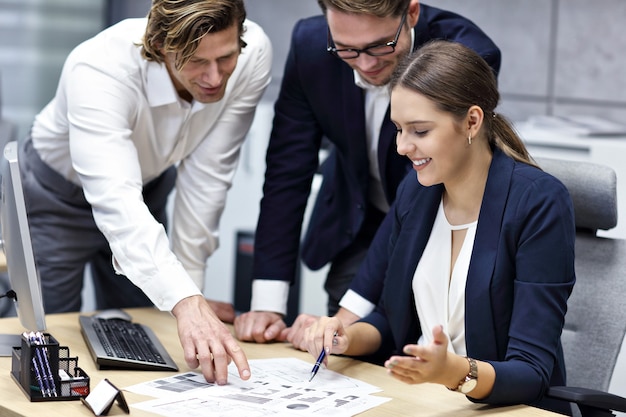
(408, 400)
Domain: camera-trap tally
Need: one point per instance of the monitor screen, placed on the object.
(23, 276)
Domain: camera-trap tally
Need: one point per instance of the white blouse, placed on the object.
(439, 296)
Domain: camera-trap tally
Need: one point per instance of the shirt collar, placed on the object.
(160, 88)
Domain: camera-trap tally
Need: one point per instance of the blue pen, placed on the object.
(320, 359)
(42, 388)
(318, 362)
(53, 388)
(38, 366)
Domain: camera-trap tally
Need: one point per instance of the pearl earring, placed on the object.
(469, 139)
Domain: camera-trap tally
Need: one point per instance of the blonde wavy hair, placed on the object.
(178, 26)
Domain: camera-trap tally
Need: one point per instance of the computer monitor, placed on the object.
(23, 275)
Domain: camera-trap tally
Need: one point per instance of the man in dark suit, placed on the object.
(334, 92)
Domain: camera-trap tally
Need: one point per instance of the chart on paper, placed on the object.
(278, 387)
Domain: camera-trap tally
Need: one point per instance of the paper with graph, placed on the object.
(278, 387)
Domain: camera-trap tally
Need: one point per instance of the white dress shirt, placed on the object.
(439, 294)
(117, 123)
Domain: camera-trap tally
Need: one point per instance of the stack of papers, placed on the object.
(278, 387)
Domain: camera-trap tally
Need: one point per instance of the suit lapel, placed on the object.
(409, 246)
(479, 277)
(386, 146)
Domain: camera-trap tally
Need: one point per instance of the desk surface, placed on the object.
(408, 400)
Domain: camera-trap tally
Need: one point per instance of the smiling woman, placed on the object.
(475, 251)
(325, 99)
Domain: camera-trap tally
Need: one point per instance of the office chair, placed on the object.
(595, 323)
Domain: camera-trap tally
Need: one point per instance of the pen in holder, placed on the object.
(45, 371)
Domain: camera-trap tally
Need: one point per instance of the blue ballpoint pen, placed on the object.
(318, 362)
(38, 365)
(40, 381)
(52, 386)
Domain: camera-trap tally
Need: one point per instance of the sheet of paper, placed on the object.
(174, 385)
(277, 387)
(287, 372)
(264, 400)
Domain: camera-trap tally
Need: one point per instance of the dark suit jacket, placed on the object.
(520, 276)
(318, 98)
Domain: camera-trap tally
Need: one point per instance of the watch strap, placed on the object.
(471, 376)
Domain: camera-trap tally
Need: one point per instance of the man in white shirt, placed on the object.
(145, 105)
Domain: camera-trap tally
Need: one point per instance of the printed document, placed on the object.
(278, 387)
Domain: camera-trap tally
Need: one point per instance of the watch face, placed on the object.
(468, 385)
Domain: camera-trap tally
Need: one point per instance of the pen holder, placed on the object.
(46, 372)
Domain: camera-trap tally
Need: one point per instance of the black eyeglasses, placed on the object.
(374, 50)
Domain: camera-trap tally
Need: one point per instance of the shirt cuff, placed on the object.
(166, 300)
(164, 290)
(356, 304)
(269, 295)
(197, 276)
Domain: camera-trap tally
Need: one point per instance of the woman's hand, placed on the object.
(428, 363)
(325, 333)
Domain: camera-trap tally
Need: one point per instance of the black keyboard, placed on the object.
(121, 344)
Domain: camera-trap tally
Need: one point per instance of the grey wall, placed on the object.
(559, 56)
(35, 38)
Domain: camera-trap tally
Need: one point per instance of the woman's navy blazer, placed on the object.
(520, 276)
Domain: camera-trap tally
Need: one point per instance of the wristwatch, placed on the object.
(468, 383)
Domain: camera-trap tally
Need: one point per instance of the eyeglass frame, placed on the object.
(333, 49)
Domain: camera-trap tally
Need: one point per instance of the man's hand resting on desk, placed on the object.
(206, 341)
(259, 326)
(295, 333)
(224, 311)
